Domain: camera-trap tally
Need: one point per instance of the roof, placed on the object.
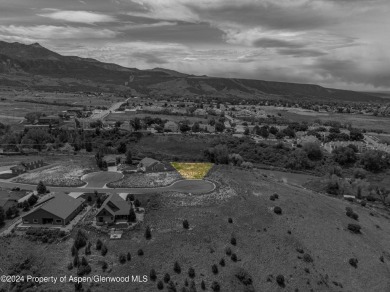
(4, 201)
(116, 205)
(149, 161)
(61, 206)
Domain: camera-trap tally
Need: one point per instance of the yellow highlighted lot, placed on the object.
(190, 170)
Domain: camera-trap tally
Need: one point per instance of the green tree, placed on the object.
(129, 157)
(132, 217)
(2, 216)
(41, 188)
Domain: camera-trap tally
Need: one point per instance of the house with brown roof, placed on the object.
(7, 200)
(114, 208)
(25, 166)
(59, 210)
(151, 165)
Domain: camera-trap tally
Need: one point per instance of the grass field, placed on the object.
(190, 170)
(128, 116)
(266, 244)
(174, 147)
(358, 121)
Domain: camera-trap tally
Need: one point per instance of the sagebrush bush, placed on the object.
(280, 280)
(354, 228)
(153, 275)
(353, 262)
(278, 210)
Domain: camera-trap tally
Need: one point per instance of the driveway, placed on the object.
(182, 186)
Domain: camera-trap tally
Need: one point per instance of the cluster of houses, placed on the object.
(60, 209)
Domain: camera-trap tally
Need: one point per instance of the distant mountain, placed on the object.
(36, 67)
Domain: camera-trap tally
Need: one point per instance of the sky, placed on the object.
(333, 43)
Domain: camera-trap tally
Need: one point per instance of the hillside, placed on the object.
(34, 66)
(308, 244)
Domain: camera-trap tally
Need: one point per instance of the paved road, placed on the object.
(182, 186)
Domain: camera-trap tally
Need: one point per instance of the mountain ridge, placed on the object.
(42, 68)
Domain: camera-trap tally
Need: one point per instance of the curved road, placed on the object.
(182, 186)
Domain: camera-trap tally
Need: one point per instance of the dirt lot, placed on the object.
(308, 244)
(61, 170)
(140, 180)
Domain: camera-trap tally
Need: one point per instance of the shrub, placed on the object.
(160, 285)
(104, 266)
(278, 210)
(354, 228)
(214, 268)
(307, 258)
(352, 214)
(128, 257)
(104, 250)
(233, 241)
(186, 282)
(186, 225)
(70, 266)
(130, 197)
(76, 261)
(222, 262)
(363, 203)
(122, 258)
(153, 275)
(230, 220)
(353, 262)
(228, 251)
(140, 252)
(280, 280)
(274, 197)
(177, 268)
(148, 233)
(215, 286)
(167, 277)
(233, 257)
(191, 272)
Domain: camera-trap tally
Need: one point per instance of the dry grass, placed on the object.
(192, 170)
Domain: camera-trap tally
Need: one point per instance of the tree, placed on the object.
(8, 213)
(344, 155)
(375, 161)
(177, 268)
(99, 244)
(33, 199)
(382, 193)
(219, 127)
(122, 148)
(41, 188)
(137, 203)
(191, 272)
(88, 146)
(132, 217)
(2, 216)
(186, 225)
(148, 233)
(153, 275)
(195, 127)
(313, 151)
(136, 124)
(128, 257)
(129, 157)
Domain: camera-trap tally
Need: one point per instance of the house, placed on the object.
(18, 169)
(25, 166)
(171, 126)
(6, 201)
(49, 120)
(59, 210)
(114, 208)
(150, 164)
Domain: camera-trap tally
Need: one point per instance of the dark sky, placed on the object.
(335, 43)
